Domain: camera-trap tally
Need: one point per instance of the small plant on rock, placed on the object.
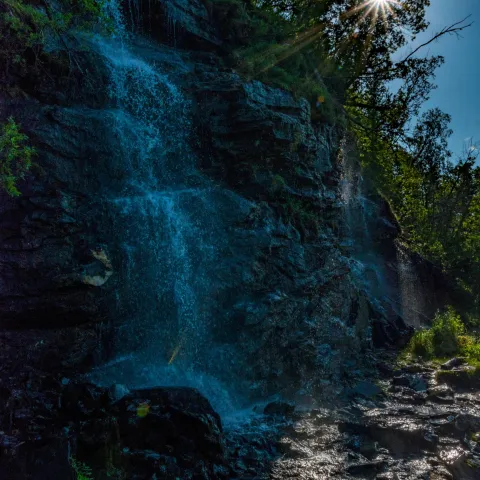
(82, 470)
(15, 157)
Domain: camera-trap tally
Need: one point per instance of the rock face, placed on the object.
(182, 221)
(182, 214)
(168, 187)
(151, 433)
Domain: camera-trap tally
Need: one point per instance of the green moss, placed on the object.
(15, 157)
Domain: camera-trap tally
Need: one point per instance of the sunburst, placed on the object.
(383, 7)
(375, 8)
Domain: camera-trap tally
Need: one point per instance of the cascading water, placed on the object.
(164, 217)
(401, 293)
(412, 293)
(368, 266)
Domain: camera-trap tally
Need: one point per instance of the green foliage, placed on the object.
(421, 344)
(274, 48)
(436, 201)
(15, 156)
(82, 470)
(30, 28)
(445, 338)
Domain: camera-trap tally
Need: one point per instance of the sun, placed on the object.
(375, 8)
(383, 4)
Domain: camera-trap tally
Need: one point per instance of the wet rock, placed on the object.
(366, 468)
(385, 369)
(466, 467)
(117, 391)
(415, 382)
(162, 432)
(416, 368)
(466, 378)
(441, 394)
(279, 408)
(183, 23)
(467, 422)
(454, 362)
(365, 389)
(418, 384)
(82, 400)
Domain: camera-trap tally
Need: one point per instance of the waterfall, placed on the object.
(165, 218)
(368, 267)
(412, 292)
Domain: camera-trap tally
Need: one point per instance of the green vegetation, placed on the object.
(15, 156)
(446, 338)
(342, 55)
(82, 470)
(33, 30)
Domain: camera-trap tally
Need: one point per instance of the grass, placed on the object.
(446, 338)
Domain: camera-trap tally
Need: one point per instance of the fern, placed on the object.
(82, 470)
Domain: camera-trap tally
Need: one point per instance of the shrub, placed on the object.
(445, 338)
(446, 329)
(421, 344)
(15, 157)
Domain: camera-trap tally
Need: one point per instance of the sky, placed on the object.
(458, 80)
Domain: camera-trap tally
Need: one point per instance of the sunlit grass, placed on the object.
(446, 338)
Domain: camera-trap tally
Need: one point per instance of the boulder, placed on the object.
(365, 389)
(279, 409)
(467, 378)
(414, 382)
(164, 432)
(452, 363)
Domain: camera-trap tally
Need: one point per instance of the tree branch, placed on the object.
(456, 28)
(380, 108)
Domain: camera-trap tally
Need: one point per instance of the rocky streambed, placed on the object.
(416, 422)
(411, 424)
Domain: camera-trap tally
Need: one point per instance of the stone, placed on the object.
(452, 363)
(117, 391)
(465, 378)
(415, 382)
(279, 408)
(418, 383)
(366, 468)
(467, 422)
(440, 394)
(162, 432)
(366, 390)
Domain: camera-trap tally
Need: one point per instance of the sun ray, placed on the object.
(374, 8)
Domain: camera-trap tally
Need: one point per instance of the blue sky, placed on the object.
(458, 80)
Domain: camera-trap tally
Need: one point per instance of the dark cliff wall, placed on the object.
(286, 307)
